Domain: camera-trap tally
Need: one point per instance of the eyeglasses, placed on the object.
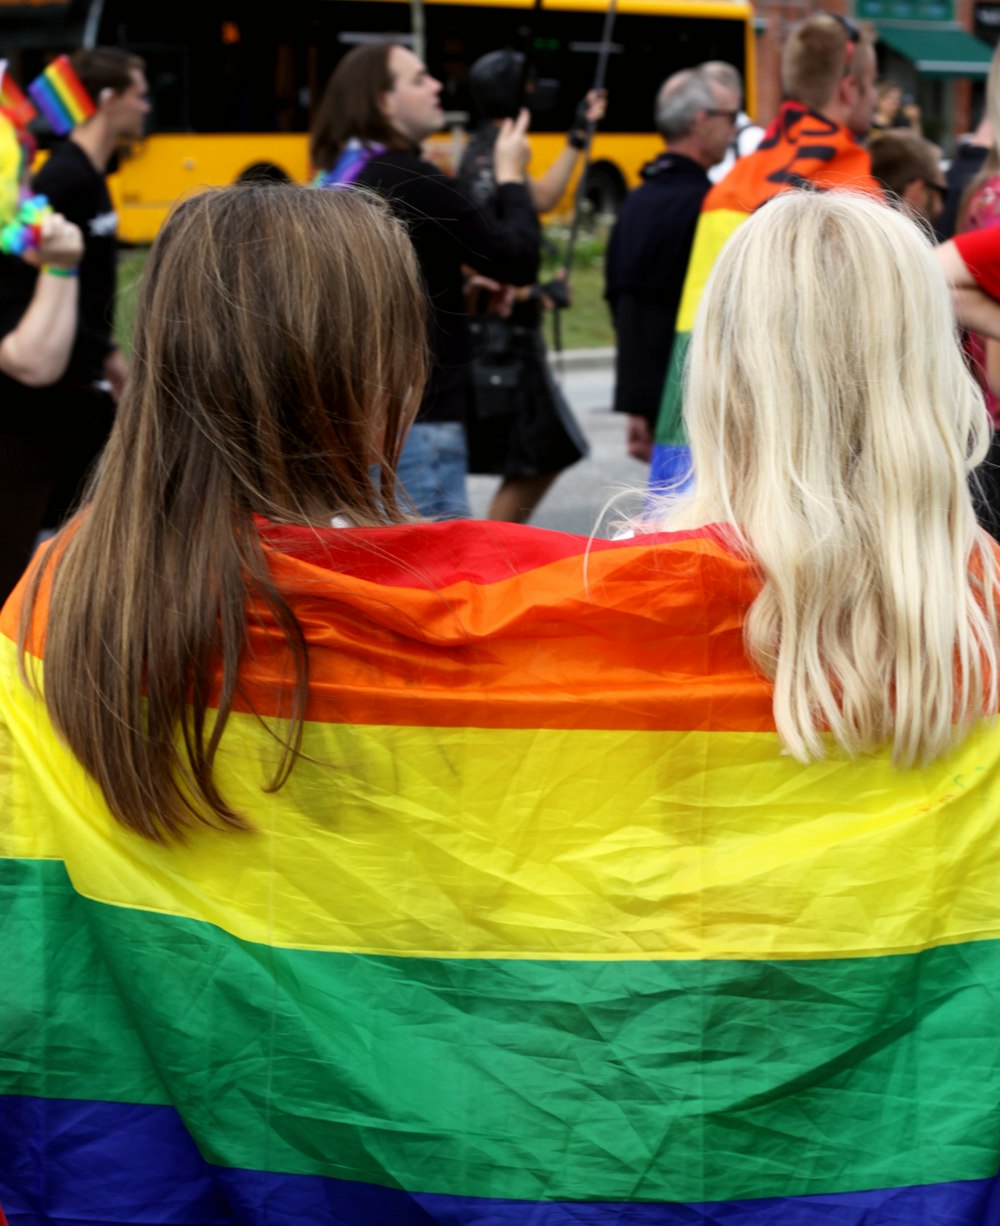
(729, 116)
(940, 188)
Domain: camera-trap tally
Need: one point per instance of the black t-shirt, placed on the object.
(448, 230)
(78, 191)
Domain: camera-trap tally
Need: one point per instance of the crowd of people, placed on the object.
(356, 868)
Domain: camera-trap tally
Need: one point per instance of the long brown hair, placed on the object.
(351, 106)
(279, 355)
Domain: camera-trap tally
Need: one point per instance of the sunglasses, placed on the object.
(853, 38)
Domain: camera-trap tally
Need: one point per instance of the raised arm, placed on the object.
(36, 352)
(549, 188)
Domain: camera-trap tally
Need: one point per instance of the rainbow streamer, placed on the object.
(800, 147)
(24, 231)
(61, 97)
(544, 930)
(19, 110)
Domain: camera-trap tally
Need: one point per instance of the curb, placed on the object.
(572, 360)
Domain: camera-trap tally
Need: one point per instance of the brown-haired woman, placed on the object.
(379, 106)
(279, 359)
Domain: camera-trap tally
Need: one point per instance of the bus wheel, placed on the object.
(263, 172)
(606, 189)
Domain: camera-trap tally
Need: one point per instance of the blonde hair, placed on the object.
(814, 58)
(833, 425)
(279, 355)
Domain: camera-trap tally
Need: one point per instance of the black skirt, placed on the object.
(519, 423)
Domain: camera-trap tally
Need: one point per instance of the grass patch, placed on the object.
(585, 325)
(130, 266)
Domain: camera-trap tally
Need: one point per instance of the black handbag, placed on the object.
(497, 368)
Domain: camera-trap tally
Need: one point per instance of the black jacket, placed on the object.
(449, 230)
(646, 263)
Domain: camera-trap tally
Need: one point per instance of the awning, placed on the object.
(939, 53)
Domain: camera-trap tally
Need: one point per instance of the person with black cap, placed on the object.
(522, 427)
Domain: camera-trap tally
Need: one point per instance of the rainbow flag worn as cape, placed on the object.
(544, 928)
(800, 148)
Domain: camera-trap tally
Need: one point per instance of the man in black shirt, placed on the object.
(648, 252)
(50, 436)
(381, 102)
(73, 179)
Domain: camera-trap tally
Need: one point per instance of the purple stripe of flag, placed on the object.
(113, 1163)
(51, 106)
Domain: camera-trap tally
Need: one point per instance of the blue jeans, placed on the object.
(432, 469)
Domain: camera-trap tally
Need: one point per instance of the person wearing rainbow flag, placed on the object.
(361, 871)
(828, 72)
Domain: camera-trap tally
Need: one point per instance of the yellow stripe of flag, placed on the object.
(542, 844)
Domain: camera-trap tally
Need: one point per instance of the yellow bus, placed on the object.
(232, 84)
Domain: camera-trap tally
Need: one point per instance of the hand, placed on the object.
(639, 438)
(484, 296)
(511, 153)
(594, 106)
(589, 111)
(115, 369)
(61, 244)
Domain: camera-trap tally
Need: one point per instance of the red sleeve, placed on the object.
(980, 252)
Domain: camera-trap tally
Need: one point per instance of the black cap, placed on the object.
(497, 81)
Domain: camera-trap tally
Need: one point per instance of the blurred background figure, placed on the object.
(379, 105)
(39, 299)
(521, 425)
(648, 251)
(747, 135)
(894, 109)
(909, 168)
(979, 209)
(828, 76)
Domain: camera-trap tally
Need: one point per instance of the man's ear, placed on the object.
(848, 91)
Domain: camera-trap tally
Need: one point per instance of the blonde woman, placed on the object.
(836, 448)
(356, 870)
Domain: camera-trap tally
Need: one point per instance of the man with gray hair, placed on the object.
(648, 251)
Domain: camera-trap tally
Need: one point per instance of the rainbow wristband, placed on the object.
(54, 271)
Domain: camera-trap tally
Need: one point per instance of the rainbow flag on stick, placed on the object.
(799, 149)
(17, 107)
(544, 929)
(61, 97)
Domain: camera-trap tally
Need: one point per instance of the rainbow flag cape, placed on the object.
(544, 930)
(800, 148)
(61, 97)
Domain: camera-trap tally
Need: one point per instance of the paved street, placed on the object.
(576, 501)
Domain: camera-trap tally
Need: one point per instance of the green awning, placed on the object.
(939, 53)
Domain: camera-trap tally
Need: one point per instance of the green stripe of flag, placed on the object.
(670, 424)
(521, 1079)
